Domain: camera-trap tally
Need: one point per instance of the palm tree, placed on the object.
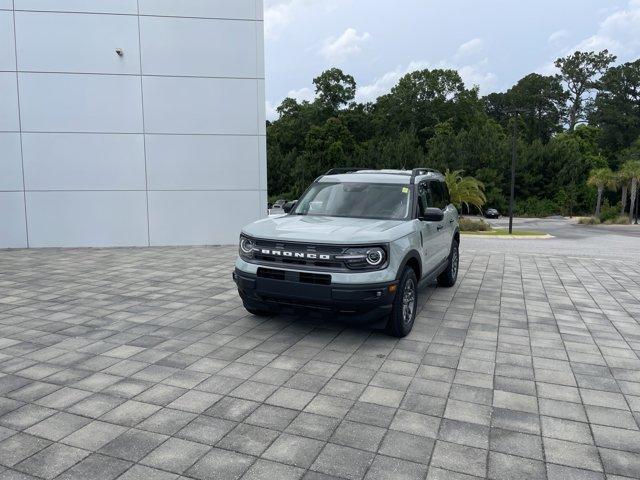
(600, 178)
(622, 181)
(632, 169)
(465, 190)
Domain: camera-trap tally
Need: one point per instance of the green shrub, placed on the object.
(609, 212)
(469, 225)
(619, 220)
(536, 207)
(589, 221)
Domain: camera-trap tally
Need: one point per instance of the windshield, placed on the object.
(356, 200)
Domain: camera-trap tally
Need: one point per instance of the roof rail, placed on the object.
(422, 171)
(339, 171)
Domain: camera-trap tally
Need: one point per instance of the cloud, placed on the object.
(337, 50)
(302, 94)
(619, 32)
(278, 14)
(557, 36)
(383, 84)
(276, 18)
(473, 71)
(470, 48)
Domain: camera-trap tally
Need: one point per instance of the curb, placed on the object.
(508, 237)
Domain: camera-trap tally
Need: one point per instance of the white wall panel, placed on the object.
(262, 161)
(73, 42)
(260, 49)
(262, 109)
(13, 233)
(201, 162)
(91, 6)
(199, 218)
(77, 161)
(10, 162)
(89, 167)
(7, 45)
(198, 47)
(244, 9)
(200, 105)
(80, 103)
(8, 102)
(91, 219)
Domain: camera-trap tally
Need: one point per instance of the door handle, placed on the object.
(440, 227)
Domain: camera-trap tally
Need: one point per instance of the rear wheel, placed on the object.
(450, 275)
(405, 305)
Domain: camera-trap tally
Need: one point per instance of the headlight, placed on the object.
(246, 247)
(375, 257)
(363, 258)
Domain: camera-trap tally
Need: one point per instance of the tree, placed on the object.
(334, 88)
(632, 167)
(622, 181)
(600, 178)
(464, 190)
(540, 100)
(630, 172)
(625, 175)
(580, 72)
(425, 98)
(617, 106)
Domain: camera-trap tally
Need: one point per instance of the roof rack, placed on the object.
(422, 171)
(343, 170)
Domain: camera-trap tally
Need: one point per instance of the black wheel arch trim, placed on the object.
(412, 255)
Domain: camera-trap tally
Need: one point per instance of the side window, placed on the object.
(424, 200)
(447, 197)
(438, 194)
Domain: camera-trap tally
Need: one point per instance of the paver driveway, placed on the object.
(141, 364)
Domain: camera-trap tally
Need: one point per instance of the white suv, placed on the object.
(358, 244)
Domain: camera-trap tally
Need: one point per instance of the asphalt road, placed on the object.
(620, 241)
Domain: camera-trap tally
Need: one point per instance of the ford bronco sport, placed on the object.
(358, 243)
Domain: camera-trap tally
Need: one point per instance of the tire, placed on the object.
(405, 304)
(450, 275)
(257, 311)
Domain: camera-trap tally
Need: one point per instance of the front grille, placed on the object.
(300, 248)
(301, 277)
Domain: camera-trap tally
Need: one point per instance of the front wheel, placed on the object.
(405, 305)
(257, 310)
(450, 275)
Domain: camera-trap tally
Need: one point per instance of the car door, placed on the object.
(444, 229)
(429, 233)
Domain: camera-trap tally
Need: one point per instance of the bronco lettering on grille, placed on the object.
(285, 253)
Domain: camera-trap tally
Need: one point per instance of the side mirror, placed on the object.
(287, 207)
(433, 215)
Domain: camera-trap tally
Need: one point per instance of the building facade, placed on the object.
(130, 122)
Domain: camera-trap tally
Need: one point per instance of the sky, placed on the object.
(492, 43)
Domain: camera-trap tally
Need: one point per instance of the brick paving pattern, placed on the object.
(142, 363)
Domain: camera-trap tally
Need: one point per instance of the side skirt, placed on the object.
(433, 274)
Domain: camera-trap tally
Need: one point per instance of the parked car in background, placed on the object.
(287, 207)
(491, 213)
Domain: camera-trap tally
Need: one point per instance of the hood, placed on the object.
(338, 230)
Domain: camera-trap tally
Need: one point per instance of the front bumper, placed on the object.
(362, 302)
